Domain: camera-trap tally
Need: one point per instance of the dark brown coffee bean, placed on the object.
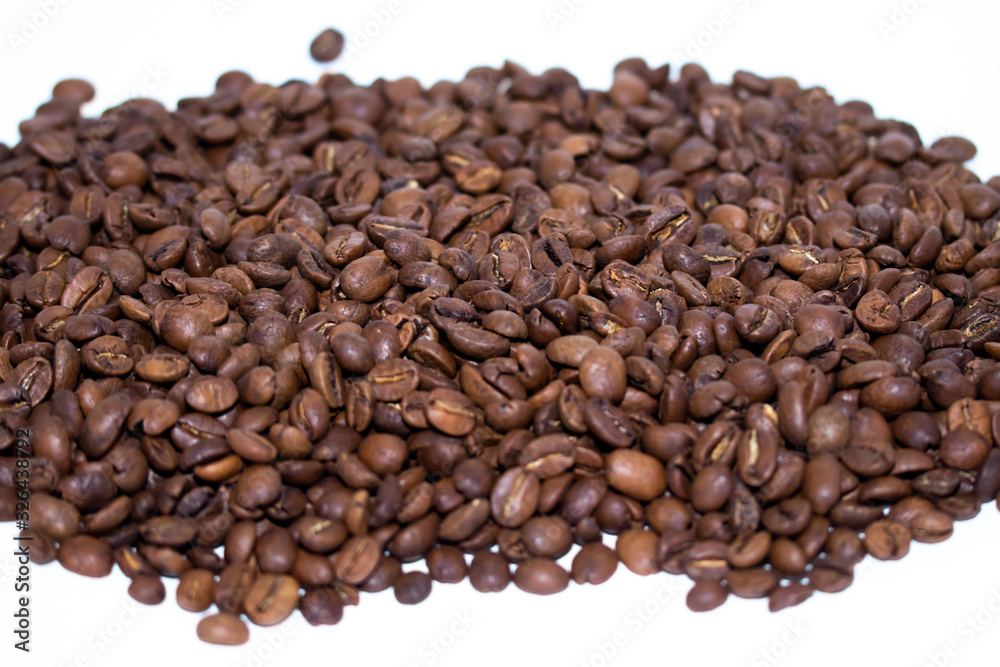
(322, 606)
(594, 563)
(637, 550)
(412, 587)
(327, 46)
(85, 555)
(887, 540)
(489, 572)
(515, 497)
(964, 449)
(147, 590)
(223, 628)
(790, 595)
(196, 590)
(706, 595)
(271, 599)
(636, 474)
(603, 374)
(541, 576)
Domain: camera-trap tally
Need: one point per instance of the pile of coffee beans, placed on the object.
(292, 344)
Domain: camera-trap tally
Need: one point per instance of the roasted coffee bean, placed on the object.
(147, 590)
(489, 572)
(932, 526)
(706, 595)
(603, 374)
(271, 598)
(637, 550)
(327, 46)
(887, 540)
(635, 473)
(515, 497)
(412, 587)
(322, 606)
(790, 595)
(196, 590)
(223, 628)
(964, 449)
(541, 576)
(85, 555)
(594, 563)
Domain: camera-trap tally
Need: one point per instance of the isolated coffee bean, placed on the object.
(541, 576)
(223, 628)
(326, 47)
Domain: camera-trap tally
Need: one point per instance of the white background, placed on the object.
(931, 63)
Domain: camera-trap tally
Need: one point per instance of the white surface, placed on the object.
(937, 71)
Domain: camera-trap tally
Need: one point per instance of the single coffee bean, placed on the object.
(635, 473)
(790, 595)
(196, 590)
(147, 590)
(887, 540)
(412, 587)
(489, 572)
(706, 595)
(933, 526)
(541, 576)
(86, 555)
(831, 574)
(223, 628)
(515, 497)
(964, 449)
(271, 599)
(594, 563)
(603, 374)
